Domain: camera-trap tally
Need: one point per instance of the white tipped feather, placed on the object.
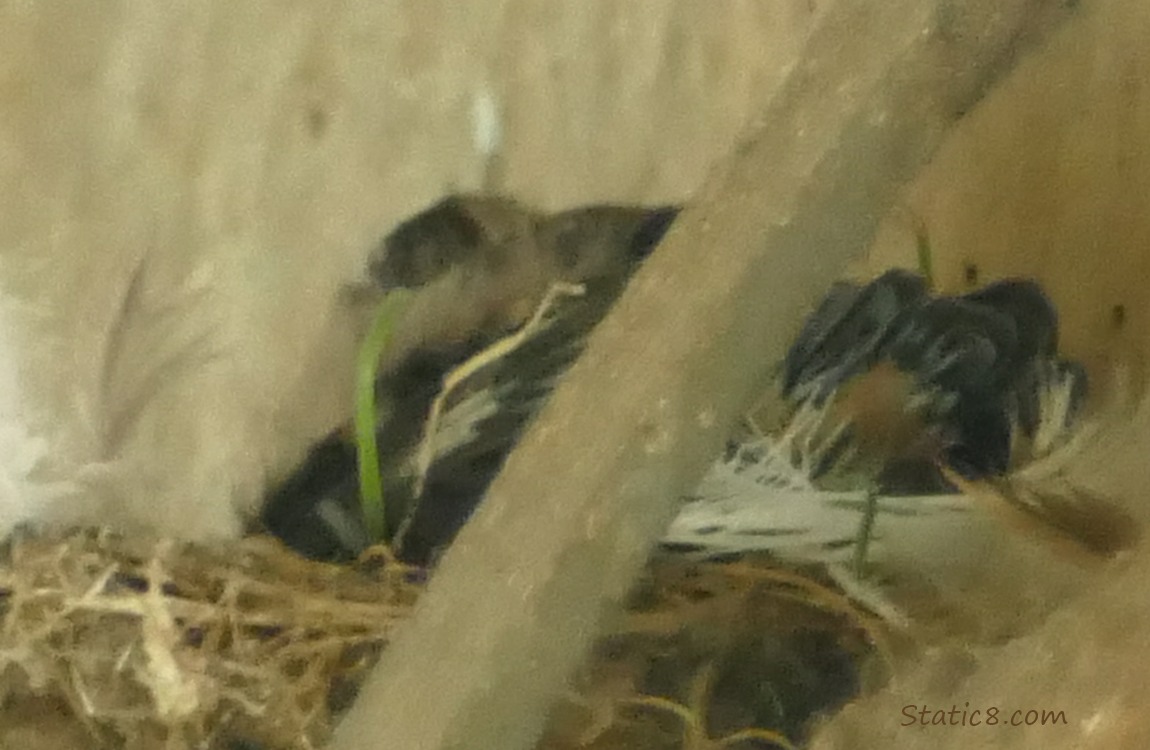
(764, 505)
(762, 500)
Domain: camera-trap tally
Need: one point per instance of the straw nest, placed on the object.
(116, 642)
(124, 642)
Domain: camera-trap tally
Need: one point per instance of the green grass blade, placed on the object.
(367, 451)
(925, 255)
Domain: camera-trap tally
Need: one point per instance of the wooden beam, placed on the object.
(567, 526)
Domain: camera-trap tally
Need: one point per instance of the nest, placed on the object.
(149, 643)
(741, 654)
(120, 642)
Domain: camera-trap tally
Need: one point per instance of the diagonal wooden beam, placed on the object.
(566, 527)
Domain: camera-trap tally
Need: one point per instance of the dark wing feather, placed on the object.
(845, 335)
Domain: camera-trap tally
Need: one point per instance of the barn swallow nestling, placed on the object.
(904, 375)
(480, 267)
(892, 388)
(901, 392)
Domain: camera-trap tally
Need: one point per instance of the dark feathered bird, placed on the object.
(916, 378)
(904, 380)
(506, 258)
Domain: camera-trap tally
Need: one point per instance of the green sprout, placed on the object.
(367, 451)
(925, 253)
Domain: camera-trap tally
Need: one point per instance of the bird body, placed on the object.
(940, 378)
(480, 269)
(890, 388)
